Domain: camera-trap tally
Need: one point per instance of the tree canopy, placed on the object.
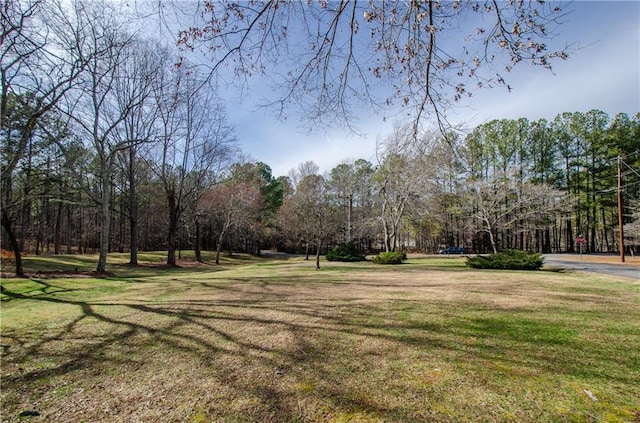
(328, 57)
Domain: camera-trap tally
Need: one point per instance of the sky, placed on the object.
(603, 73)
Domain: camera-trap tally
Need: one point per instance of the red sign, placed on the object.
(580, 240)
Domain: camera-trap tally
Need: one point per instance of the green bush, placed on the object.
(345, 252)
(390, 258)
(507, 259)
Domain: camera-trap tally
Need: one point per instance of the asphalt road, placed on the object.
(558, 261)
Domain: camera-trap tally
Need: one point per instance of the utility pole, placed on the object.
(620, 220)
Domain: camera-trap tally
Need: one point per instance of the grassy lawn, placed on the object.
(257, 340)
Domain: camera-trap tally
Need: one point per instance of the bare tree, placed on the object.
(138, 126)
(232, 203)
(503, 200)
(344, 183)
(420, 56)
(351, 183)
(195, 143)
(41, 58)
(107, 94)
(631, 230)
(298, 173)
(311, 214)
(404, 174)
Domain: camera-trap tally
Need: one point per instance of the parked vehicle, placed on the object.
(454, 250)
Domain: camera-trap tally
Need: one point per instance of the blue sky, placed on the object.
(602, 73)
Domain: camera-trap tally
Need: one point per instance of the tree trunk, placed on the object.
(594, 205)
(133, 237)
(82, 245)
(26, 213)
(69, 231)
(349, 211)
(219, 248)
(105, 224)
(569, 245)
(494, 248)
(173, 227)
(385, 227)
(594, 222)
(40, 230)
(546, 248)
(57, 233)
(318, 247)
(387, 240)
(6, 224)
(196, 244)
(133, 210)
(121, 225)
(25, 224)
(492, 238)
(605, 234)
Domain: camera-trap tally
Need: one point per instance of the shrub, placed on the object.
(390, 258)
(345, 252)
(507, 259)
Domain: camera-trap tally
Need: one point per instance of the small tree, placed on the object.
(231, 203)
(139, 126)
(403, 175)
(311, 213)
(195, 144)
(499, 202)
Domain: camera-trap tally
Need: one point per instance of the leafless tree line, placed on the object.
(112, 141)
(80, 86)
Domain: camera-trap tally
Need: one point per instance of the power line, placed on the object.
(630, 168)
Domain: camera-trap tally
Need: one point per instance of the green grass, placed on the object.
(87, 262)
(278, 341)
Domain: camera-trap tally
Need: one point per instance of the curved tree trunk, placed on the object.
(6, 224)
(225, 227)
(219, 249)
(318, 247)
(219, 246)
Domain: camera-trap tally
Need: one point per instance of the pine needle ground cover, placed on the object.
(277, 341)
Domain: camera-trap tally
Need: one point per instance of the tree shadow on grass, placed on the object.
(286, 358)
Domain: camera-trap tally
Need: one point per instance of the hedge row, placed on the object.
(390, 258)
(345, 252)
(507, 259)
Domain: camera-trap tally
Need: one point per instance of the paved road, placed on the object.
(558, 261)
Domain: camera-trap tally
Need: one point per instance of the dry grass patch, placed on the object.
(279, 341)
(604, 258)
